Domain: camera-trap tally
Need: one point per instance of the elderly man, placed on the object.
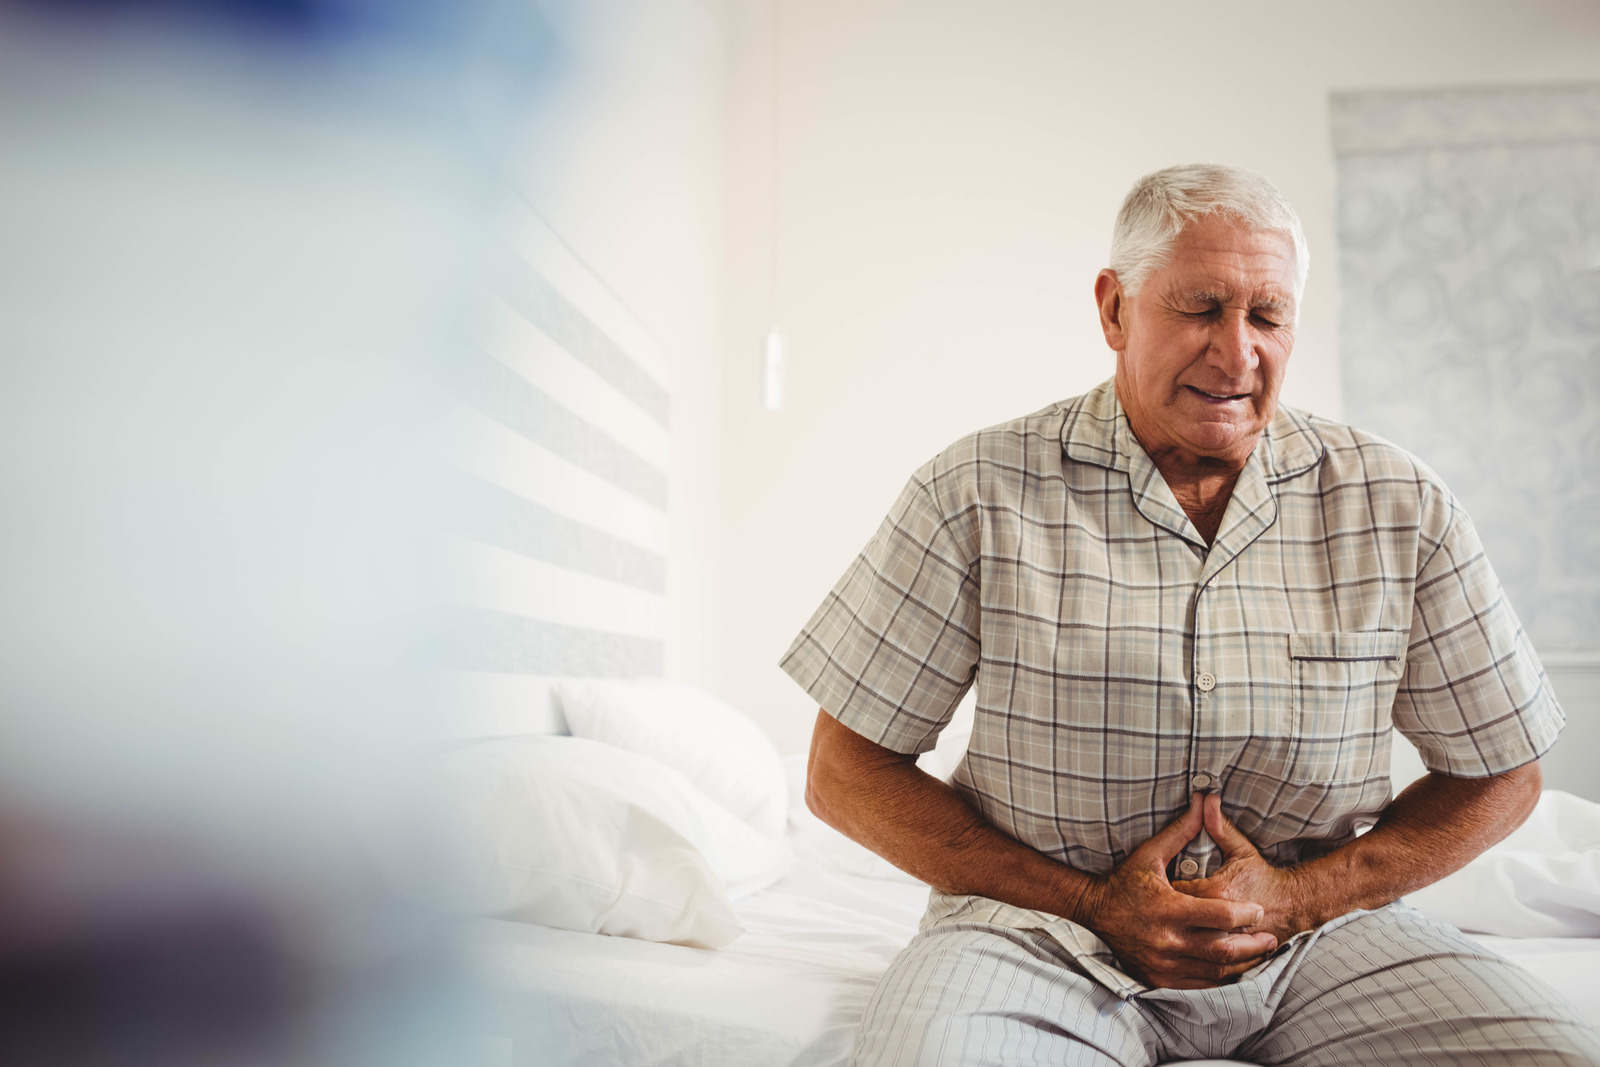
(1192, 618)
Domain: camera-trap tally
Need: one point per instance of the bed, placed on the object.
(790, 991)
(791, 987)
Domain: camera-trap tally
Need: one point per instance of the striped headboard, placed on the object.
(556, 492)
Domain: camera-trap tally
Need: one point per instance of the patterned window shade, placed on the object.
(1469, 257)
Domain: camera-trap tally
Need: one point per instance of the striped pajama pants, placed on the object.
(1387, 987)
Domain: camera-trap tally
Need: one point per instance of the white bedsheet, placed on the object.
(790, 991)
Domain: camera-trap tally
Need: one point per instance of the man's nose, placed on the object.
(1233, 349)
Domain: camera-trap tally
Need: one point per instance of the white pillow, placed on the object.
(578, 835)
(727, 756)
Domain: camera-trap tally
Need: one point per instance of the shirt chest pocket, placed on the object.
(1344, 686)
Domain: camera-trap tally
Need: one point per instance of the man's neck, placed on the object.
(1202, 486)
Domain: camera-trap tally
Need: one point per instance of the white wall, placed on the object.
(623, 155)
(948, 173)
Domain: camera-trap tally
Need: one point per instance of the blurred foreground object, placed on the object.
(236, 245)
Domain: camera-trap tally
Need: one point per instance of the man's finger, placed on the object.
(1203, 887)
(1170, 841)
(1190, 972)
(1207, 976)
(1217, 913)
(1222, 830)
(1230, 948)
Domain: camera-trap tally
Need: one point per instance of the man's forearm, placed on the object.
(928, 829)
(1436, 826)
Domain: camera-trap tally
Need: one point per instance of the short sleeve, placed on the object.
(894, 645)
(1474, 698)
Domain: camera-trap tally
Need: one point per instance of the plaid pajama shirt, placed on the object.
(1120, 662)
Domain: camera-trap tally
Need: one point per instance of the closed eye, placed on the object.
(1272, 315)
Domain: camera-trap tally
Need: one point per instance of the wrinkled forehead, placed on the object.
(1229, 262)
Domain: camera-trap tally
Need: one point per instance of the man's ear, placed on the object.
(1108, 295)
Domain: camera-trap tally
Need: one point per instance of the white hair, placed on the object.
(1161, 205)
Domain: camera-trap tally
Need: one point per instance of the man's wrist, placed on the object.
(1084, 899)
(1320, 891)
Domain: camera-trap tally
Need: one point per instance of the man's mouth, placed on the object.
(1217, 398)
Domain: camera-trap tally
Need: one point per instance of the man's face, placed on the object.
(1201, 349)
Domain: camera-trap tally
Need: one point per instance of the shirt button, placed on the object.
(1201, 781)
(1188, 868)
(1206, 681)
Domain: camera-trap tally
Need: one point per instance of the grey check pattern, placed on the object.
(1117, 657)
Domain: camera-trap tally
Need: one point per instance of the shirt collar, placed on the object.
(1096, 431)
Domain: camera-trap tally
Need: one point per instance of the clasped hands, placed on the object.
(1201, 933)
